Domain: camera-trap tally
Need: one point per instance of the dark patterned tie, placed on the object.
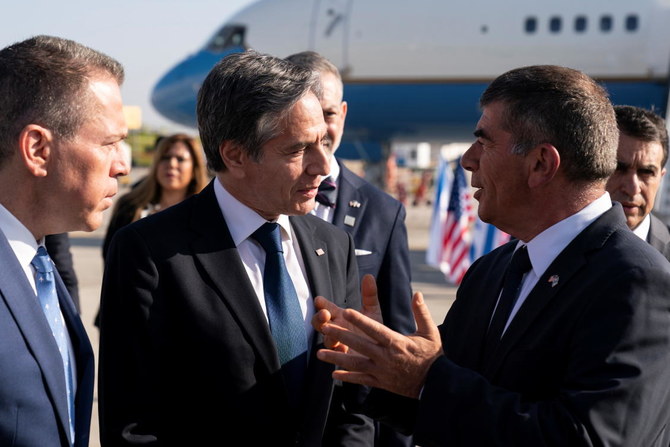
(46, 292)
(517, 267)
(284, 313)
(327, 192)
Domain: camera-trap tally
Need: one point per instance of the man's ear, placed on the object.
(544, 161)
(36, 148)
(344, 110)
(234, 157)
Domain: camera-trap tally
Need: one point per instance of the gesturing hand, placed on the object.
(328, 312)
(381, 357)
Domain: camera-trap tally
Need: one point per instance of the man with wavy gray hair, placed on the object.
(206, 307)
(559, 337)
(61, 127)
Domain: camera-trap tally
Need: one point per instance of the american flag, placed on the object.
(456, 238)
(443, 182)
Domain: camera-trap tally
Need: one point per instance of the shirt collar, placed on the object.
(242, 221)
(546, 246)
(642, 230)
(20, 239)
(334, 169)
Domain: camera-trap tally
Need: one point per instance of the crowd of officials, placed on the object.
(263, 296)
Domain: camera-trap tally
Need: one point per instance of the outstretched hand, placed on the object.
(379, 357)
(328, 312)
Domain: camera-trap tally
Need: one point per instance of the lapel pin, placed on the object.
(354, 204)
(320, 252)
(349, 220)
(553, 279)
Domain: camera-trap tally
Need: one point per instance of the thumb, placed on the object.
(371, 307)
(425, 326)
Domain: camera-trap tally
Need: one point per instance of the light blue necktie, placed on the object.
(46, 292)
(284, 313)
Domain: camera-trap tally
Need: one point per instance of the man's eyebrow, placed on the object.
(480, 133)
(649, 167)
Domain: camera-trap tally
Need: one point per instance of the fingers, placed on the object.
(369, 291)
(322, 303)
(351, 361)
(367, 338)
(371, 307)
(425, 326)
(325, 312)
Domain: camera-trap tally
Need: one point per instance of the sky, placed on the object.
(147, 36)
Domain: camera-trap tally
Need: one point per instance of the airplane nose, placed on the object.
(175, 94)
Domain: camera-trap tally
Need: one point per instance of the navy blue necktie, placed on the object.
(284, 313)
(46, 292)
(517, 267)
(327, 192)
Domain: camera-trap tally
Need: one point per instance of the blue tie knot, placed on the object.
(42, 261)
(269, 236)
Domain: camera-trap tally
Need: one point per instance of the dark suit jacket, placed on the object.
(33, 402)
(379, 227)
(186, 355)
(659, 236)
(58, 247)
(583, 363)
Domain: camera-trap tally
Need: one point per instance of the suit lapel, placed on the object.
(350, 206)
(25, 308)
(571, 260)
(318, 384)
(314, 254)
(465, 325)
(658, 234)
(83, 353)
(214, 249)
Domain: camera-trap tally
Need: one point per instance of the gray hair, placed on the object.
(244, 99)
(44, 80)
(562, 107)
(315, 62)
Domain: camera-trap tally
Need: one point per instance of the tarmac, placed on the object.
(86, 252)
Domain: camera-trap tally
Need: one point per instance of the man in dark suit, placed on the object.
(62, 121)
(641, 158)
(374, 219)
(193, 349)
(557, 338)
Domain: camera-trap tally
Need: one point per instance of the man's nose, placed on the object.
(470, 159)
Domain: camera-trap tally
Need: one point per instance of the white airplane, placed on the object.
(414, 71)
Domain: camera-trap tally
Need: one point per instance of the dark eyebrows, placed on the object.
(480, 133)
(652, 168)
(622, 166)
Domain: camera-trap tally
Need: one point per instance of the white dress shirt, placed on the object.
(642, 230)
(322, 211)
(242, 221)
(544, 248)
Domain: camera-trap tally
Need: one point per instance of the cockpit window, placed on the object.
(229, 36)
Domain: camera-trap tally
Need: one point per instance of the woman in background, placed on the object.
(177, 172)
